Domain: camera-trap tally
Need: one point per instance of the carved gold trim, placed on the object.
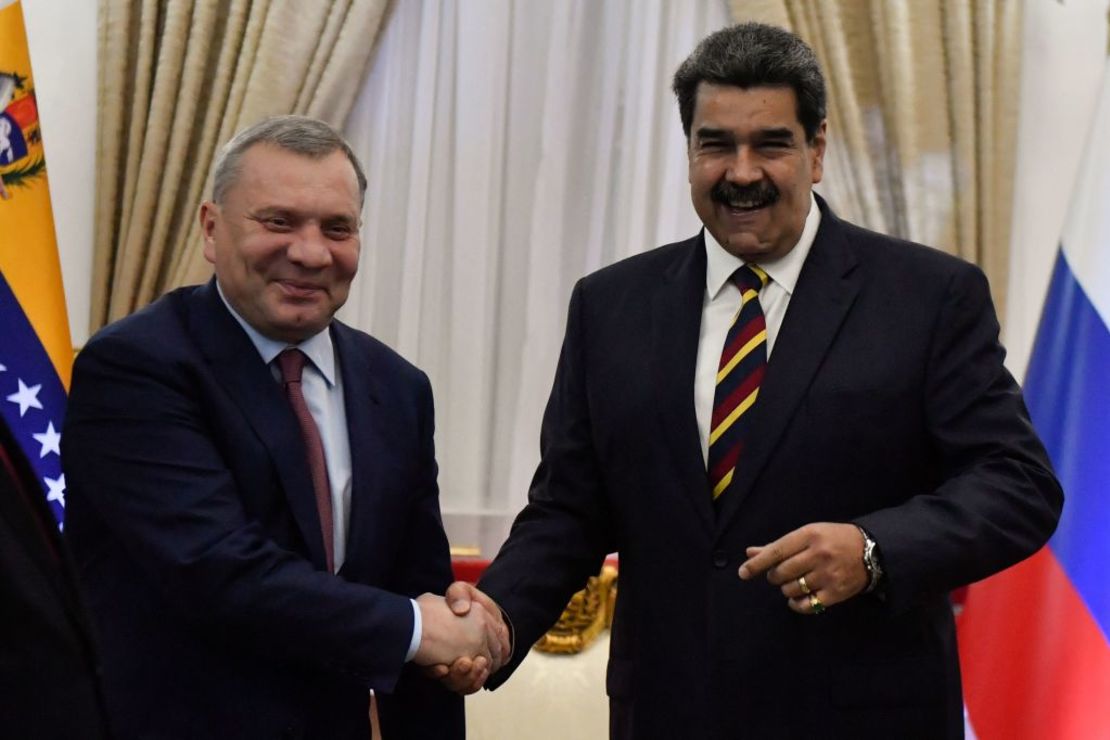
(589, 612)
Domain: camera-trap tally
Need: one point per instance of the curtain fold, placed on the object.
(923, 101)
(176, 80)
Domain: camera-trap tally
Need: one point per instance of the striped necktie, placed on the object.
(743, 362)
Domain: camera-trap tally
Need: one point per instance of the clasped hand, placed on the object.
(463, 639)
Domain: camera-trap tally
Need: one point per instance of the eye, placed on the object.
(774, 144)
(714, 144)
(275, 221)
(338, 231)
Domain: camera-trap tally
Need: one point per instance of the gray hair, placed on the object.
(754, 55)
(298, 134)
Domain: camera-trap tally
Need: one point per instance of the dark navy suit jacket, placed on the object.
(885, 403)
(192, 518)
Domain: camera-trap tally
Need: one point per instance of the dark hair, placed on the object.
(752, 55)
(297, 134)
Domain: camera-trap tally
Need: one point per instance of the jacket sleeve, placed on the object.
(999, 500)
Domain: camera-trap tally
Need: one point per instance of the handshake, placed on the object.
(463, 637)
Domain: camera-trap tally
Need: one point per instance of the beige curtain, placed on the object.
(923, 100)
(177, 79)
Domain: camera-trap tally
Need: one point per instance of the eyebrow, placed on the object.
(775, 133)
(266, 211)
(706, 132)
(778, 133)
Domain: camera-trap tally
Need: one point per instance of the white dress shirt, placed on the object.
(322, 386)
(722, 300)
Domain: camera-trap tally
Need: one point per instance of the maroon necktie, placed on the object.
(291, 362)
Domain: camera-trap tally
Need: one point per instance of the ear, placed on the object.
(208, 214)
(817, 152)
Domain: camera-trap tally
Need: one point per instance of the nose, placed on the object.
(744, 169)
(309, 248)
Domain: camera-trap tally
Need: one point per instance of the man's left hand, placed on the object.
(823, 558)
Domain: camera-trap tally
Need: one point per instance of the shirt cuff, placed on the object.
(417, 630)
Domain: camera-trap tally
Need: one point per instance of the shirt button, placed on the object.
(720, 559)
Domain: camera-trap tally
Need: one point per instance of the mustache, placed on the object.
(725, 192)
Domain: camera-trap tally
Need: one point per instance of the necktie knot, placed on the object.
(750, 277)
(291, 363)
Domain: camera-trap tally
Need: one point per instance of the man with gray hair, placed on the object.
(799, 436)
(252, 484)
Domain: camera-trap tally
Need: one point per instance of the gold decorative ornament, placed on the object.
(589, 612)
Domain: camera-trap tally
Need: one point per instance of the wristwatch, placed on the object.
(871, 561)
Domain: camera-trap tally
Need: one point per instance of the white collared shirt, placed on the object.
(722, 299)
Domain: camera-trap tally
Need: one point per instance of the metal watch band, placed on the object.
(870, 561)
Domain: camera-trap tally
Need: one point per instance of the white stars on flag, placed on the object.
(56, 489)
(27, 398)
(38, 390)
(50, 441)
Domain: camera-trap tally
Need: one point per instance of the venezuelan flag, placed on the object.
(36, 352)
(1035, 639)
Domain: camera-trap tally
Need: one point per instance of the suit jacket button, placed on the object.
(720, 559)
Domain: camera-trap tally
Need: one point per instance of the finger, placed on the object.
(493, 642)
(792, 568)
(506, 645)
(477, 682)
(459, 596)
(437, 671)
(813, 605)
(793, 589)
(772, 554)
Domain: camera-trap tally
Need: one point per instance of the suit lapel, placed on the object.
(367, 434)
(675, 323)
(826, 288)
(249, 383)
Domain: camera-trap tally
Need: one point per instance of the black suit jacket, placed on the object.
(49, 682)
(192, 516)
(885, 403)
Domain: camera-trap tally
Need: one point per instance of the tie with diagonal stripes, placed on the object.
(743, 362)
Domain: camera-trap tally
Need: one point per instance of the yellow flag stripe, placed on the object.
(28, 250)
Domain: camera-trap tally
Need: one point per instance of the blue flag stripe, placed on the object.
(25, 361)
(1067, 388)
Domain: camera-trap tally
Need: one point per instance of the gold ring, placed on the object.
(804, 586)
(816, 605)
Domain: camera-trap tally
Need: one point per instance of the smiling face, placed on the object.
(285, 240)
(751, 168)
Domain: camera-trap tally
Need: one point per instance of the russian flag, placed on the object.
(36, 353)
(1035, 639)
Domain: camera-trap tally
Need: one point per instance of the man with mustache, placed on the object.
(252, 484)
(799, 436)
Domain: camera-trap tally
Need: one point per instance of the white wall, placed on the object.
(62, 38)
(1064, 53)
